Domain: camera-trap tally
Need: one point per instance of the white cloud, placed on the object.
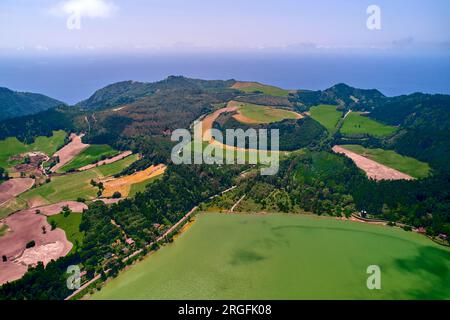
(85, 8)
(40, 47)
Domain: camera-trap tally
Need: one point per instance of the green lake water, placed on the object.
(286, 257)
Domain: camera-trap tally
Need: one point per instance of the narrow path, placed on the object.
(89, 125)
(167, 233)
(120, 156)
(237, 203)
(346, 115)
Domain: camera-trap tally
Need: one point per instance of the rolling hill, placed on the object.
(340, 94)
(15, 104)
(141, 116)
(127, 92)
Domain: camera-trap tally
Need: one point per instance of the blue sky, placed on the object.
(177, 25)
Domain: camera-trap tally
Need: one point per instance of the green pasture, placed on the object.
(392, 159)
(357, 124)
(90, 155)
(326, 115)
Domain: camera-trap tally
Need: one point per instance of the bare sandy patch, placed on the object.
(123, 184)
(26, 226)
(68, 152)
(208, 122)
(14, 187)
(44, 253)
(242, 85)
(36, 202)
(356, 100)
(54, 209)
(118, 109)
(107, 161)
(373, 169)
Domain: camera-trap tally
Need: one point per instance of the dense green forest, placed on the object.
(27, 128)
(341, 94)
(294, 134)
(15, 104)
(425, 120)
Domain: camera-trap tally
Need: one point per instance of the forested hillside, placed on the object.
(126, 92)
(27, 128)
(342, 95)
(425, 120)
(16, 104)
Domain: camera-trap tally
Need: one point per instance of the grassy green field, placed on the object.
(222, 153)
(76, 185)
(327, 116)
(140, 187)
(11, 206)
(286, 257)
(263, 114)
(266, 89)
(392, 159)
(11, 146)
(357, 124)
(92, 154)
(69, 187)
(3, 229)
(71, 225)
(118, 166)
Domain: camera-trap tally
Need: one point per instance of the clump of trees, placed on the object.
(3, 174)
(117, 195)
(30, 244)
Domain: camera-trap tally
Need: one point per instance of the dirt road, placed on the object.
(68, 152)
(107, 161)
(14, 187)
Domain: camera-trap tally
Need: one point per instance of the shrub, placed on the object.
(30, 244)
(117, 195)
(53, 224)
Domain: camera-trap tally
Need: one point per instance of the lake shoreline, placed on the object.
(194, 222)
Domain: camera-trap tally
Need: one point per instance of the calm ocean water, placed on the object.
(74, 78)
